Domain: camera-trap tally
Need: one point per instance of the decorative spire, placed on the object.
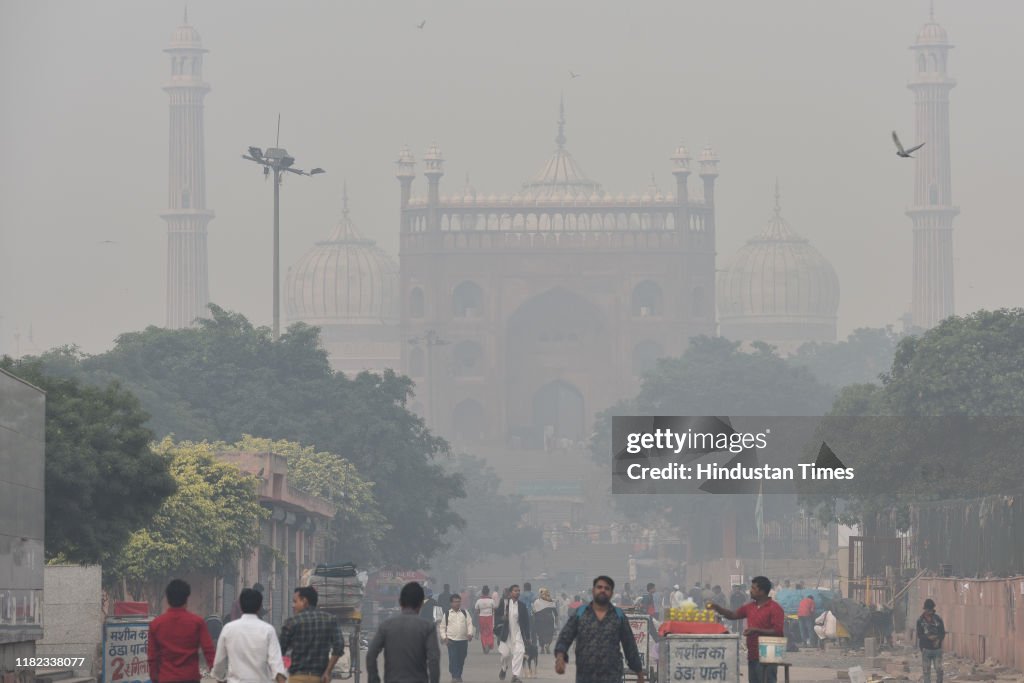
(186, 15)
(560, 140)
(344, 198)
(931, 10)
(778, 207)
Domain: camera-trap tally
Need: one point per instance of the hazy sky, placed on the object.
(806, 90)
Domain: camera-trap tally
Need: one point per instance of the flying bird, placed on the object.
(574, 75)
(107, 242)
(905, 153)
(421, 24)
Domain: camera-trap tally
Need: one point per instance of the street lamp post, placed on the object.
(278, 161)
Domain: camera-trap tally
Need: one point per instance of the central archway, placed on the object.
(558, 411)
(557, 354)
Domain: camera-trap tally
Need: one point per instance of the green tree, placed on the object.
(494, 523)
(862, 357)
(227, 378)
(359, 525)
(714, 376)
(926, 434)
(102, 479)
(207, 525)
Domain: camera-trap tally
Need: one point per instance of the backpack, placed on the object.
(447, 611)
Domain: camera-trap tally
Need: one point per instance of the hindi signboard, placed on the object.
(124, 650)
(700, 659)
(641, 626)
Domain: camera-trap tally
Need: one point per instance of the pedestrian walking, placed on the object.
(313, 637)
(805, 615)
(764, 618)
(248, 650)
(676, 599)
(528, 596)
(512, 629)
(602, 635)
(737, 600)
(931, 631)
(411, 654)
(236, 607)
(485, 618)
(428, 611)
(648, 603)
(445, 597)
(544, 617)
(175, 639)
(456, 630)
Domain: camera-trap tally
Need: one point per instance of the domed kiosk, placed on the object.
(348, 287)
(778, 289)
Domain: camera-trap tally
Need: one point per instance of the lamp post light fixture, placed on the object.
(277, 159)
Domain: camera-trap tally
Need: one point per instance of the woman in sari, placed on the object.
(485, 616)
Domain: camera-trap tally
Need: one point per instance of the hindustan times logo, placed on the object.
(677, 442)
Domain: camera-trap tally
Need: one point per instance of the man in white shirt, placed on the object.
(677, 598)
(512, 622)
(456, 630)
(248, 650)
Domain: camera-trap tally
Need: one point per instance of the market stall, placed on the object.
(696, 647)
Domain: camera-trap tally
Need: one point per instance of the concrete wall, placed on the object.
(73, 615)
(22, 509)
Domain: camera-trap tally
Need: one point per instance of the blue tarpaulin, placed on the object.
(790, 599)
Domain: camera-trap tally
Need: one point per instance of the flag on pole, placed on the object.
(759, 513)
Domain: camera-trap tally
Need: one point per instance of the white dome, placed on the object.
(346, 279)
(778, 275)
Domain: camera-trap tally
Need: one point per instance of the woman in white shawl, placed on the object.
(544, 617)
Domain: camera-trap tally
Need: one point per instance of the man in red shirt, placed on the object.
(805, 613)
(175, 638)
(764, 618)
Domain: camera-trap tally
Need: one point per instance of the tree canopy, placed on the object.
(207, 524)
(862, 357)
(227, 378)
(359, 525)
(948, 413)
(492, 520)
(714, 376)
(102, 479)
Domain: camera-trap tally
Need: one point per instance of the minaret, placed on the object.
(681, 170)
(406, 173)
(932, 211)
(434, 170)
(187, 215)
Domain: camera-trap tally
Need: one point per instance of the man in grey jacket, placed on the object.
(411, 652)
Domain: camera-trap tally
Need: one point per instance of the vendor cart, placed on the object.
(645, 633)
(699, 658)
(351, 623)
(341, 594)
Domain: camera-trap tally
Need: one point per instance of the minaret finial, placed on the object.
(344, 198)
(560, 140)
(778, 207)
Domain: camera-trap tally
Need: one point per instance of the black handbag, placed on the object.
(501, 630)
